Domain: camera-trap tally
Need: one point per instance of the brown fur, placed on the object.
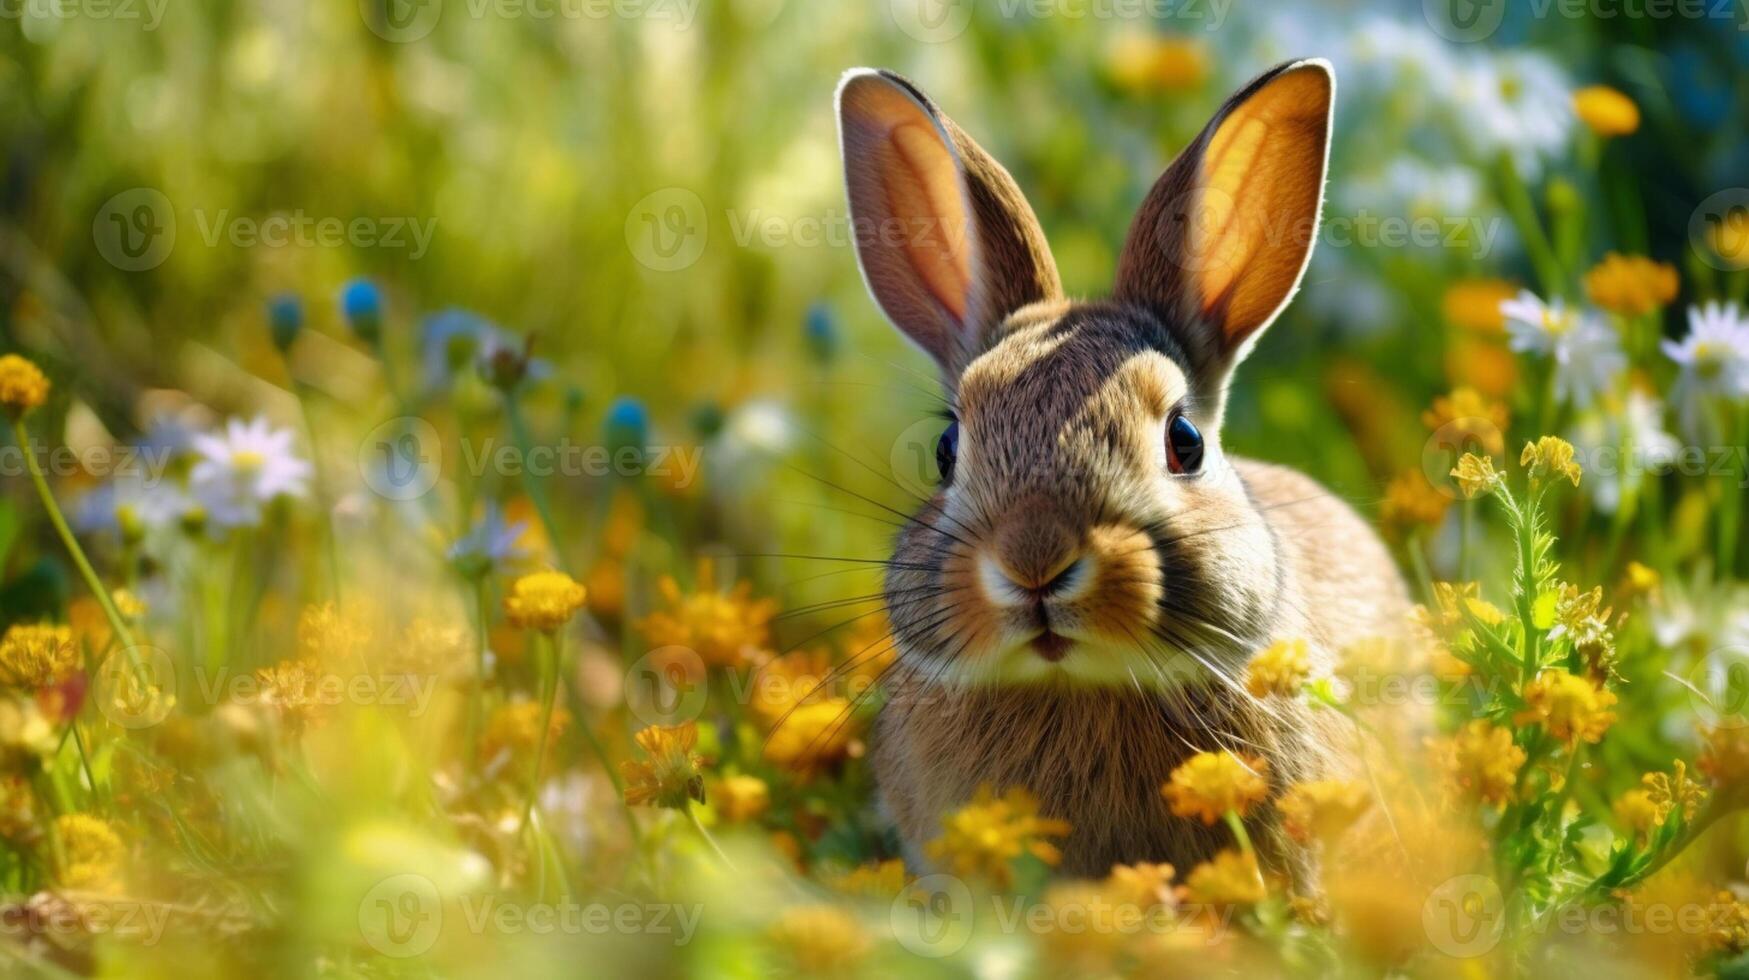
(1062, 514)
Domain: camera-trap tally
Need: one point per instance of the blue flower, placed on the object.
(361, 302)
(628, 423)
(821, 330)
(285, 317)
(449, 340)
(490, 546)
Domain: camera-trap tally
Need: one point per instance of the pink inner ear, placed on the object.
(928, 216)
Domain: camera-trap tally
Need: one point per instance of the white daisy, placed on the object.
(1588, 360)
(1535, 327)
(1518, 103)
(1621, 445)
(242, 468)
(1714, 358)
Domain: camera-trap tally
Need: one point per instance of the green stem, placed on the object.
(706, 834)
(477, 696)
(1516, 199)
(536, 487)
(548, 673)
(89, 574)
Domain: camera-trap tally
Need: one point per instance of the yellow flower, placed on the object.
(1675, 789)
(91, 852)
(1474, 304)
(1411, 501)
(1636, 811)
(1455, 600)
(781, 685)
(1232, 878)
(1479, 760)
(1212, 783)
(883, 881)
(1323, 809)
(1143, 885)
(1632, 285)
(543, 601)
(1606, 111)
(515, 728)
(329, 633)
(1548, 457)
(292, 689)
(22, 385)
(1729, 237)
(1728, 928)
(739, 799)
(34, 657)
(814, 736)
(1281, 669)
(981, 838)
(820, 939)
(1475, 475)
(1470, 420)
(1725, 758)
(671, 776)
(1639, 580)
(1489, 368)
(1142, 62)
(725, 629)
(1570, 707)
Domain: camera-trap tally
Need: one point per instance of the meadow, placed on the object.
(451, 459)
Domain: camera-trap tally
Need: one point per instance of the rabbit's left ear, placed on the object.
(1222, 239)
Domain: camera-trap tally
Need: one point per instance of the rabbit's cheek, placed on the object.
(1121, 600)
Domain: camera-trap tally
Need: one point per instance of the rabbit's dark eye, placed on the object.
(947, 449)
(1183, 445)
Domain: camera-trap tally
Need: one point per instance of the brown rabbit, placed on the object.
(1076, 604)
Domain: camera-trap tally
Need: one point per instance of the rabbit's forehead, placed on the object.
(1059, 372)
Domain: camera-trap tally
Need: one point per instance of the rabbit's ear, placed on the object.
(1223, 238)
(948, 246)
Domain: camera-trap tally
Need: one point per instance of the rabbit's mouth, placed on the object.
(1051, 646)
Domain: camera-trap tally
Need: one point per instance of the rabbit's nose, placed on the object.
(1032, 559)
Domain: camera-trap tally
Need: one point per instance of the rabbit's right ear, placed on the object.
(948, 246)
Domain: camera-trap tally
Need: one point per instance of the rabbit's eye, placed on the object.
(1183, 445)
(947, 449)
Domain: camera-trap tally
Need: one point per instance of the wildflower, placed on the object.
(884, 880)
(726, 629)
(35, 657)
(1411, 501)
(1474, 304)
(428, 648)
(1517, 103)
(361, 304)
(671, 776)
(505, 361)
(1640, 580)
(1725, 757)
(1475, 475)
(1322, 809)
(1146, 62)
(820, 330)
(820, 939)
(739, 799)
(812, 737)
(1471, 420)
(1580, 618)
(27, 738)
(1231, 878)
(1212, 784)
(1636, 811)
(1572, 708)
(1550, 457)
(627, 424)
(1456, 603)
(1632, 430)
(543, 601)
(781, 685)
(1489, 368)
(292, 689)
(1674, 789)
(1714, 359)
(1632, 285)
(329, 632)
(91, 851)
(1587, 355)
(1606, 111)
(982, 838)
(23, 386)
(1143, 885)
(1728, 930)
(285, 319)
(1479, 760)
(239, 470)
(515, 728)
(490, 546)
(1279, 669)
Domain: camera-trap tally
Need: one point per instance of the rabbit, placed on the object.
(1074, 607)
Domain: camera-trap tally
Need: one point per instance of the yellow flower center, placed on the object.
(1556, 323)
(248, 460)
